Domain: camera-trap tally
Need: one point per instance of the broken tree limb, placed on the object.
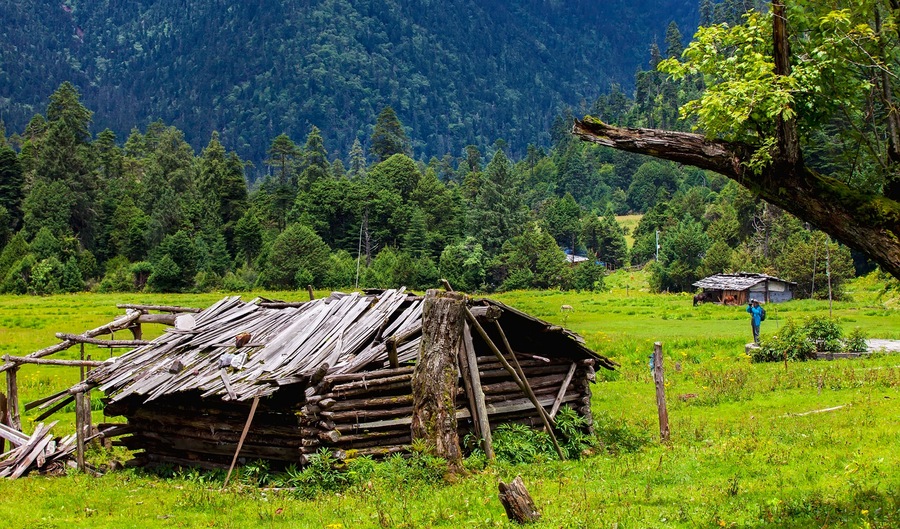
(866, 221)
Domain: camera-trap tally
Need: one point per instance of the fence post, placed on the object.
(659, 380)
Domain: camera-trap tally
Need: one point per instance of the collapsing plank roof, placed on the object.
(344, 333)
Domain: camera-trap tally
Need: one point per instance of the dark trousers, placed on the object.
(755, 332)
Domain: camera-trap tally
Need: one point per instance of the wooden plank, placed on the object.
(96, 341)
(160, 308)
(562, 391)
(51, 361)
(480, 411)
(79, 432)
(240, 445)
(12, 399)
(58, 406)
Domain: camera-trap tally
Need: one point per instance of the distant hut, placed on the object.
(741, 287)
(330, 373)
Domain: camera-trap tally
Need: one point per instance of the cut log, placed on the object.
(160, 308)
(517, 502)
(103, 343)
(51, 361)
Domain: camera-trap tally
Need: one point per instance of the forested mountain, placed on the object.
(458, 72)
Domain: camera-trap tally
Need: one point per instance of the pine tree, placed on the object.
(315, 165)
(674, 44)
(357, 160)
(11, 187)
(388, 137)
(707, 13)
(498, 212)
(282, 155)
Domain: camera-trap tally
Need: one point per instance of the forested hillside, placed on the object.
(84, 208)
(458, 72)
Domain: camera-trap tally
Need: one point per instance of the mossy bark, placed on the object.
(434, 380)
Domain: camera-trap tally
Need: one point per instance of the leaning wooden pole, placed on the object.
(523, 385)
(434, 380)
(480, 408)
(660, 381)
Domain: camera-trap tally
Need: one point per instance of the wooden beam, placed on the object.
(103, 343)
(120, 323)
(240, 445)
(79, 432)
(562, 391)
(52, 361)
(160, 308)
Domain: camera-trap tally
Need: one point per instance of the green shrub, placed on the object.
(825, 333)
(856, 341)
(791, 342)
(118, 277)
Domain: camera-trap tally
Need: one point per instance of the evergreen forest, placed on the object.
(101, 211)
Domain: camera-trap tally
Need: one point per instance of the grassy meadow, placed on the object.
(749, 448)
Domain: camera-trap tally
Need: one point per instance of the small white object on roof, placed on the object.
(185, 322)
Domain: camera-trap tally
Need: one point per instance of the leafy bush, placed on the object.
(118, 277)
(791, 342)
(825, 333)
(856, 341)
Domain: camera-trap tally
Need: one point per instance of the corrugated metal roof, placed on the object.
(738, 281)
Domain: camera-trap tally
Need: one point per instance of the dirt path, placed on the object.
(888, 346)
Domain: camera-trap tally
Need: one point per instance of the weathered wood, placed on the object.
(103, 343)
(58, 406)
(517, 502)
(865, 221)
(117, 324)
(3, 419)
(659, 380)
(371, 383)
(240, 445)
(160, 308)
(434, 379)
(349, 377)
(466, 375)
(486, 312)
(480, 414)
(12, 399)
(282, 304)
(562, 391)
(548, 423)
(79, 432)
(393, 359)
(165, 319)
(51, 361)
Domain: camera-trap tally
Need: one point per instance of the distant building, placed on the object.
(741, 287)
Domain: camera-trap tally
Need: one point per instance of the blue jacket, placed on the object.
(755, 314)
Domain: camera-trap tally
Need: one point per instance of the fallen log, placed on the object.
(517, 502)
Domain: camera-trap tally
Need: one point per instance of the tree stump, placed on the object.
(434, 380)
(517, 502)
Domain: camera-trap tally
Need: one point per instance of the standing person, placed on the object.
(757, 315)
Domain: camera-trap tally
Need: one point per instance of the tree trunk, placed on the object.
(434, 380)
(865, 221)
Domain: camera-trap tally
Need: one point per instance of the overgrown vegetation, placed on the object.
(802, 341)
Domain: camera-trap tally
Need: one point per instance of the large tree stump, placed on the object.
(517, 502)
(434, 380)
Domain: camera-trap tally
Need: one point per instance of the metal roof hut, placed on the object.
(330, 373)
(743, 286)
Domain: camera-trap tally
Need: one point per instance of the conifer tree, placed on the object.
(388, 138)
(357, 160)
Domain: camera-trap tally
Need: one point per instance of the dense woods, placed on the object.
(97, 211)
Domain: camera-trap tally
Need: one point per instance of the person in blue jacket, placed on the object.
(756, 313)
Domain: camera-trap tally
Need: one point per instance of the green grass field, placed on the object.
(747, 450)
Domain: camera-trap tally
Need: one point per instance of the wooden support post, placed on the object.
(81, 367)
(523, 385)
(3, 421)
(86, 413)
(12, 399)
(462, 361)
(310, 291)
(517, 502)
(435, 376)
(79, 431)
(562, 391)
(659, 380)
(480, 411)
(393, 357)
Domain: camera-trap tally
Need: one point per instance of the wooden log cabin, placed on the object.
(329, 373)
